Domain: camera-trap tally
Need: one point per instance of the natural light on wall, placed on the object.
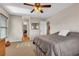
(15, 9)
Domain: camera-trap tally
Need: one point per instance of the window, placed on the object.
(3, 26)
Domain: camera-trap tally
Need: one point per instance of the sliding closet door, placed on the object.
(3, 33)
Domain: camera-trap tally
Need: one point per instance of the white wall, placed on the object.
(40, 31)
(34, 33)
(43, 27)
(15, 28)
(66, 19)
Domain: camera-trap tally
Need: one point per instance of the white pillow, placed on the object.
(63, 32)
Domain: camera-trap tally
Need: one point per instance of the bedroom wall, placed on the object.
(40, 31)
(33, 33)
(66, 19)
(15, 28)
(42, 27)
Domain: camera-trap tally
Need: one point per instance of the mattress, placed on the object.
(56, 45)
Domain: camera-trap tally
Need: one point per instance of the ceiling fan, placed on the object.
(37, 7)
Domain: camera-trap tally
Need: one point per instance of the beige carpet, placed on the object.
(20, 49)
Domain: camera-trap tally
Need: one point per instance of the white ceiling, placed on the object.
(20, 9)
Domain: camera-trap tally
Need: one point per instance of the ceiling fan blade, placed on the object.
(32, 11)
(41, 11)
(46, 5)
(28, 4)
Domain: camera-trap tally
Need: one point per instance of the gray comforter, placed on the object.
(56, 45)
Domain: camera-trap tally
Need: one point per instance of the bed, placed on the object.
(55, 45)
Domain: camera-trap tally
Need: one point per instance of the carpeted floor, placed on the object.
(20, 49)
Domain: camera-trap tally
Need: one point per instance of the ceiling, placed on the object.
(20, 9)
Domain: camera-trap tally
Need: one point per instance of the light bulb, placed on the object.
(37, 9)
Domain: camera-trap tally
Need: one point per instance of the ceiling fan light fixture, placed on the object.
(37, 9)
(40, 8)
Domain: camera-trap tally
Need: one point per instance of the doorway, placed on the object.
(48, 28)
(26, 26)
